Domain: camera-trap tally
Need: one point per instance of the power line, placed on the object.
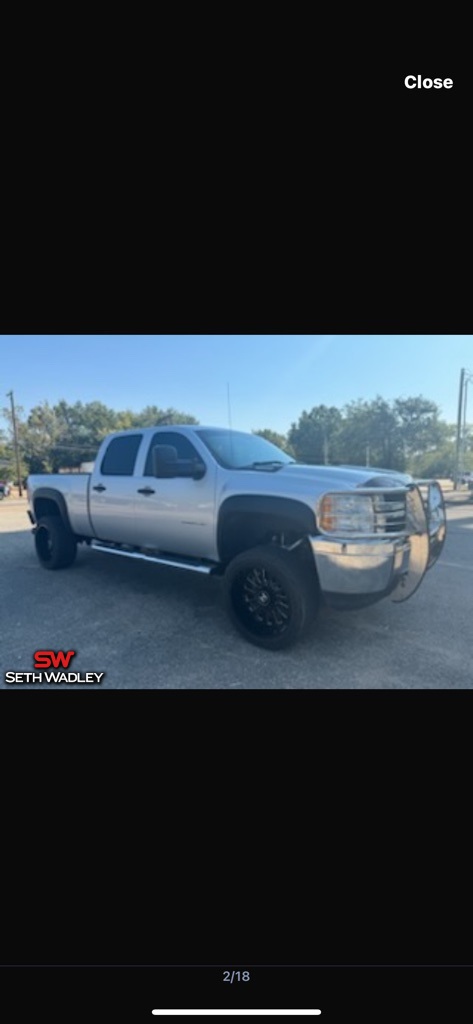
(69, 447)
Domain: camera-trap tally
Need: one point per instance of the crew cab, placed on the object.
(284, 536)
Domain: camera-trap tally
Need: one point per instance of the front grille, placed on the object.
(389, 513)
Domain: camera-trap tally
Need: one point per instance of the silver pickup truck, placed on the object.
(284, 536)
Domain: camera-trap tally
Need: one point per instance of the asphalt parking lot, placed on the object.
(151, 627)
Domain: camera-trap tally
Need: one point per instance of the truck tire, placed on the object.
(56, 546)
(271, 596)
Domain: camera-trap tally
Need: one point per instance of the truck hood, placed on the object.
(345, 477)
(307, 483)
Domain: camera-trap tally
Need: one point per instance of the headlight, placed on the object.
(346, 513)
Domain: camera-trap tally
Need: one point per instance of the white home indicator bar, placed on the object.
(237, 1013)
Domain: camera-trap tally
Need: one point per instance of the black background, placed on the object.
(341, 993)
(276, 187)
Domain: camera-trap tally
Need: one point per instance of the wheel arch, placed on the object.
(47, 501)
(245, 521)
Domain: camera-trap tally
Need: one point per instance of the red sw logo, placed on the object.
(46, 659)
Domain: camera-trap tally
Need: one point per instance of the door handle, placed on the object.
(99, 487)
(146, 490)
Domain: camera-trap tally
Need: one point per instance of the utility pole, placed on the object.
(15, 441)
(466, 377)
(465, 434)
(459, 429)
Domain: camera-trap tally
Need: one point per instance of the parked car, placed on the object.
(4, 489)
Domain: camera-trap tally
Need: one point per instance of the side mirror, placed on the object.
(166, 464)
(164, 460)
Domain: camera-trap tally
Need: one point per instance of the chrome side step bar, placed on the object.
(161, 560)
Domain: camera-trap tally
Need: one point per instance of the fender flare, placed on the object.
(295, 513)
(52, 495)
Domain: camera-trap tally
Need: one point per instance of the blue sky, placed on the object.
(272, 378)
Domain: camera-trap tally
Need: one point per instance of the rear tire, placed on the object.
(271, 596)
(56, 546)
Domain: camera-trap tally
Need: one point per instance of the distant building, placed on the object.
(85, 467)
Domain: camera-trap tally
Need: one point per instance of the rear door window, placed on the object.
(120, 457)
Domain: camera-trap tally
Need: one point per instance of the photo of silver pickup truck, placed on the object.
(284, 536)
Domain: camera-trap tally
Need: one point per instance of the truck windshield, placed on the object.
(235, 450)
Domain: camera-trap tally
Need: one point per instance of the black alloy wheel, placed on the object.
(56, 546)
(270, 597)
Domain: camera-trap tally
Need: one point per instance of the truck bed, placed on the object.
(75, 489)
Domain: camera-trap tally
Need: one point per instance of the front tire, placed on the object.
(271, 597)
(56, 546)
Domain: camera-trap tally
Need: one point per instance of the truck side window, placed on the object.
(185, 449)
(120, 457)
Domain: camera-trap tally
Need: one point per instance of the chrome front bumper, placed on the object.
(362, 570)
(359, 567)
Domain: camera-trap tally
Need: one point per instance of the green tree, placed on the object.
(437, 455)
(41, 434)
(82, 428)
(6, 458)
(65, 435)
(280, 440)
(153, 416)
(9, 446)
(315, 437)
(420, 428)
(370, 435)
(124, 420)
(438, 463)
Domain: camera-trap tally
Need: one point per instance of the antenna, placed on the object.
(230, 423)
(229, 407)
